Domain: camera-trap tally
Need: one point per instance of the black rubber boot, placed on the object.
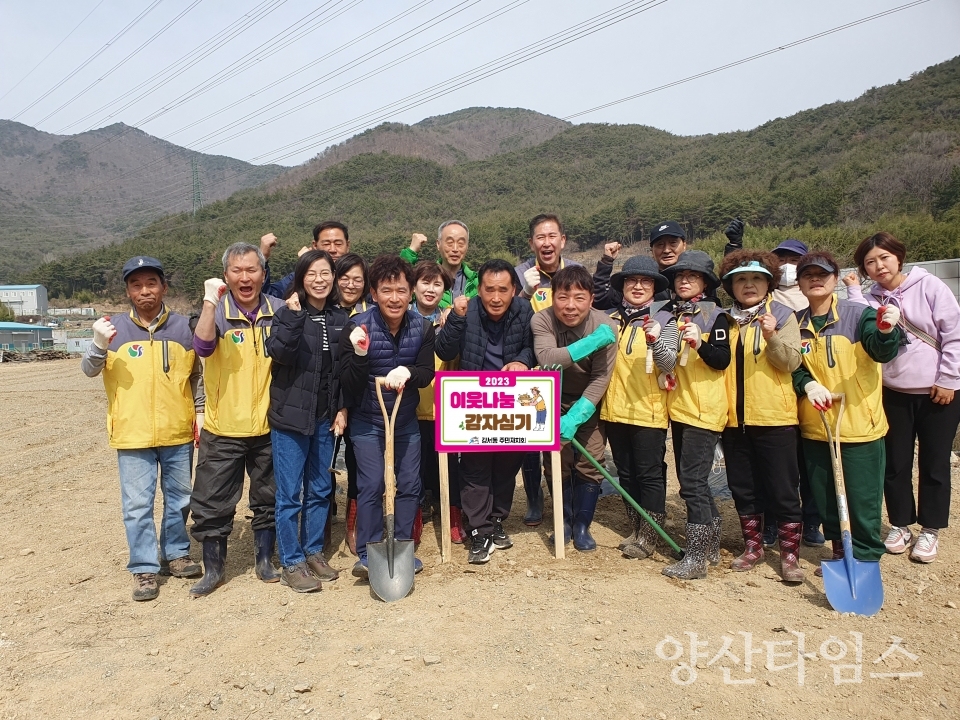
(264, 542)
(214, 557)
(585, 496)
(534, 491)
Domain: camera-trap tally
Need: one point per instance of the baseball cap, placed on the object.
(792, 245)
(141, 262)
(670, 228)
(820, 262)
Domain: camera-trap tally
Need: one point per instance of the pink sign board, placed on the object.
(497, 411)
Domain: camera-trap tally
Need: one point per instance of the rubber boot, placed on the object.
(457, 533)
(713, 554)
(694, 563)
(264, 542)
(648, 538)
(417, 531)
(567, 513)
(752, 527)
(585, 496)
(534, 492)
(352, 525)
(789, 534)
(837, 555)
(214, 557)
(636, 522)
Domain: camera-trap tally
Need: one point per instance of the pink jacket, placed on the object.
(928, 304)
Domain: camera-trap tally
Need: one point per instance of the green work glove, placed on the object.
(581, 411)
(585, 347)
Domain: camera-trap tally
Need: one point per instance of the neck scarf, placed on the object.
(745, 316)
(688, 307)
(630, 311)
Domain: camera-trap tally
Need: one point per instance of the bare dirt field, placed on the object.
(526, 636)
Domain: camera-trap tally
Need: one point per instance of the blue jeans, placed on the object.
(138, 489)
(301, 466)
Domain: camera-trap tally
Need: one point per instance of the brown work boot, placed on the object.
(183, 567)
(145, 587)
(321, 568)
(299, 578)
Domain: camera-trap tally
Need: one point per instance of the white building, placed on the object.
(24, 299)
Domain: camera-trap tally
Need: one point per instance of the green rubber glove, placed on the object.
(585, 347)
(581, 411)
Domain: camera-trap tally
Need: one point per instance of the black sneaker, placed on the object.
(499, 537)
(770, 535)
(481, 548)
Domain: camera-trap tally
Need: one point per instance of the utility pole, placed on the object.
(197, 190)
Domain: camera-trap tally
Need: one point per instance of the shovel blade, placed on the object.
(860, 593)
(390, 581)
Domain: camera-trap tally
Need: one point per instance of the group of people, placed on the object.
(291, 369)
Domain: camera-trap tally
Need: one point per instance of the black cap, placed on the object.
(142, 262)
(670, 228)
(639, 265)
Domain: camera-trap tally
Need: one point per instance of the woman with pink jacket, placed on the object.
(918, 391)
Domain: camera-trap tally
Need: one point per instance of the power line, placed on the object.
(120, 64)
(93, 57)
(77, 27)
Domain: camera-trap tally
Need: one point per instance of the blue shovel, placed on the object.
(851, 585)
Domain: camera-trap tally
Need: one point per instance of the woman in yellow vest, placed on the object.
(760, 440)
(697, 406)
(634, 409)
(842, 345)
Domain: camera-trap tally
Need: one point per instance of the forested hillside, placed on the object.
(889, 158)
(64, 193)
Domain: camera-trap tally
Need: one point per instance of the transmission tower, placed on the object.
(197, 190)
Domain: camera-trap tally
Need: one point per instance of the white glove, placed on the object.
(818, 395)
(103, 332)
(361, 341)
(397, 378)
(667, 381)
(887, 318)
(213, 290)
(531, 280)
(652, 329)
(691, 335)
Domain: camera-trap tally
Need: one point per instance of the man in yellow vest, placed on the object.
(231, 334)
(152, 378)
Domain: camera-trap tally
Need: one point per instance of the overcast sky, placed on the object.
(668, 41)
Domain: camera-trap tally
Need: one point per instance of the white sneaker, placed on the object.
(925, 550)
(898, 540)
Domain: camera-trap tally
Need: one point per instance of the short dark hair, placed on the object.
(769, 261)
(347, 262)
(882, 240)
(390, 267)
(570, 277)
(497, 265)
(816, 258)
(430, 270)
(300, 271)
(545, 217)
(327, 225)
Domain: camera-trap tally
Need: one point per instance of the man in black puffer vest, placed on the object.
(490, 332)
(390, 341)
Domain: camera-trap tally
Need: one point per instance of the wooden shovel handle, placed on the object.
(389, 472)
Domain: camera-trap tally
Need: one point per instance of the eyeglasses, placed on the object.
(323, 275)
(638, 280)
(350, 282)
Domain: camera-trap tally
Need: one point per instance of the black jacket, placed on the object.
(466, 337)
(298, 369)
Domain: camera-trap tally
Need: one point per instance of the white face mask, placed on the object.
(788, 275)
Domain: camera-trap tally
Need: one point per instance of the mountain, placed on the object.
(75, 192)
(470, 134)
(890, 158)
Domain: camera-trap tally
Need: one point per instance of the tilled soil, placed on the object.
(525, 636)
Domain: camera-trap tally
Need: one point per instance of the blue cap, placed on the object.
(792, 245)
(142, 262)
(752, 266)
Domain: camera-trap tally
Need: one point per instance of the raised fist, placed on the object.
(213, 290)
(293, 302)
(734, 232)
(417, 242)
(531, 280)
(887, 318)
(360, 339)
(303, 250)
(460, 305)
(103, 332)
(768, 325)
(851, 278)
(612, 249)
(267, 243)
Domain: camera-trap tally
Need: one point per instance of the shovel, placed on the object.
(390, 561)
(636, 506)
(851, 585)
